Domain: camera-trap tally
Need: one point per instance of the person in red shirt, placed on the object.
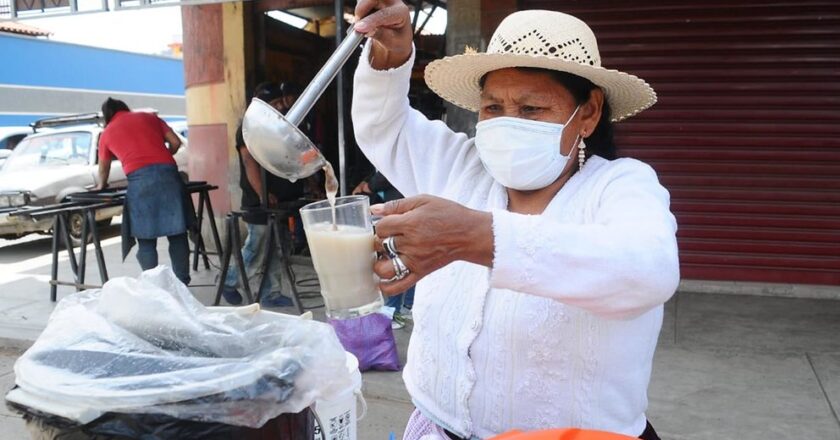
(156, 197)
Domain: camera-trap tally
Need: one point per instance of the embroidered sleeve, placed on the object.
(415, 154)
(620, 265)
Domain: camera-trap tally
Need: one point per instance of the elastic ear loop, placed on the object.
(581, 151)
(579, 140)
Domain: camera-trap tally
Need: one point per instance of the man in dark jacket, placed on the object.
(256, 218)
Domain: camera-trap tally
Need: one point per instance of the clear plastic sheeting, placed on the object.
(147, 346)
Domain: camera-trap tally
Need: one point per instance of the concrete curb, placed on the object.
(385, 386)
(15, 344)
(760, 289)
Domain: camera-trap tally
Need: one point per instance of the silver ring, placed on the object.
(393, 278)
(390, 247)
(400, 270)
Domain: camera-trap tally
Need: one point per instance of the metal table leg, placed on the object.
(64, 224)
(202, 202)
(225, 259)
(199, 242)
(243, 273)
(80, 277)
(211, 217)
(286, 263)
(54, 269)
(268, 248)
(97, 246)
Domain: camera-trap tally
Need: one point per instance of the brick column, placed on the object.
(214, 70)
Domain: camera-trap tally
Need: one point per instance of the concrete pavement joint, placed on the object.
(388, 399)
(777, 290)
(676, 315)
(19, 306)
(822, 388)
(736, 351)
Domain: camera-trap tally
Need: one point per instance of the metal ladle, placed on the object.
(275, 141)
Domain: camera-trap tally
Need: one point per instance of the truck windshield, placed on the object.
(55, 149)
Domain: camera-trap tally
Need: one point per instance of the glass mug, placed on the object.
(343, 258)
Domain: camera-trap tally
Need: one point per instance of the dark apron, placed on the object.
(156, 205)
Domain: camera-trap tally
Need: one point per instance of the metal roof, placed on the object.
(15, 27)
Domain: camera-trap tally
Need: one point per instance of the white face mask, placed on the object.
(522, 154)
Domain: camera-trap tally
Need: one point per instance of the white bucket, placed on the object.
(337, 417)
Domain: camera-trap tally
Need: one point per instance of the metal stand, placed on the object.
(233, 244)
(87, 203)
(204, 203)
(89, 230)
(280, 235)
(61, 233)
(277, 234)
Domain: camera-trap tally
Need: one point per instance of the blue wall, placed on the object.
(38, 62)
(24, 120)
(20, 120)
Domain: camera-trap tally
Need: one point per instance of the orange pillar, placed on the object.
(214, 70)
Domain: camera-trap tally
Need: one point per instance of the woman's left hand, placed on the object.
(429, 233)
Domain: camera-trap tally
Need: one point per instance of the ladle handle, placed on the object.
(322, 80)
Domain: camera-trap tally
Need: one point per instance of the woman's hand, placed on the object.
(429, 233)
(390, 29)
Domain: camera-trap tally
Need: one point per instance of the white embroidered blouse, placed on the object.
(561, 331)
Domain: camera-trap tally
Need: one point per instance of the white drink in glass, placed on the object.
(343, 256)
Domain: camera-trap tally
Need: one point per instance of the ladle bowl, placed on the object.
(275, 141)
(277, 144)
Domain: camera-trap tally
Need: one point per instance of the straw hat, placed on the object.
(543, 39)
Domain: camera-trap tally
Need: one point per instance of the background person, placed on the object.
(256, 218)
(156, 196)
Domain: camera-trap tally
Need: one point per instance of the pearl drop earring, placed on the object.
(581, 151)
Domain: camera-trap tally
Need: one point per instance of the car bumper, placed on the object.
(21, 225)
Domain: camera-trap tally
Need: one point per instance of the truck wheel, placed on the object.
(76, 220)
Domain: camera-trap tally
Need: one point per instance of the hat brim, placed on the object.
(456, 79)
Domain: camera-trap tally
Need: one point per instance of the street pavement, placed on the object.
(727, 366)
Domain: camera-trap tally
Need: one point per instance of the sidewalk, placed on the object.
(727, 367)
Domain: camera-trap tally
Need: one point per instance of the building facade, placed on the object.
(42, 78)
(745, 136)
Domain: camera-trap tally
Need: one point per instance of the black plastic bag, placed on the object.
(116, 426)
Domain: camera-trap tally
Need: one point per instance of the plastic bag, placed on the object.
(371, 339)
(147, 346)
(112, 426)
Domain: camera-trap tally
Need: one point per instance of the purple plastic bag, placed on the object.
(371, 340)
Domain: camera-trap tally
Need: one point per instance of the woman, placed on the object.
(155, 199)
(542, 261)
